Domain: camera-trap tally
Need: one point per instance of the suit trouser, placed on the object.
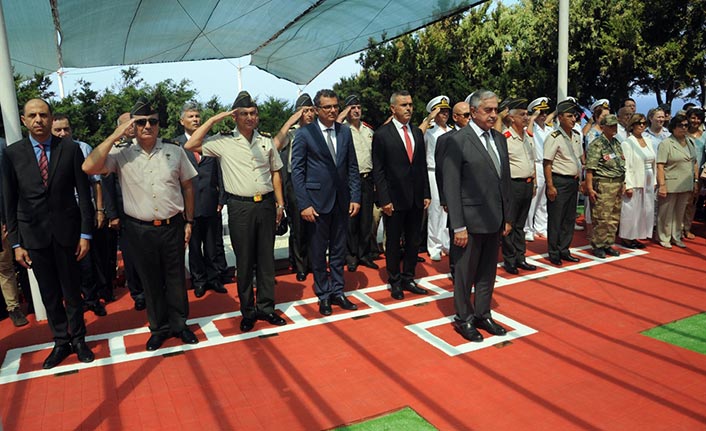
(329, 232)
(158, 253)
(104, 247)
(252, 234)
(514, 246)
(134, 284)
(298, 235)
(476, 266)
(670, 216)
(407, 222)
(8, 281)
(219, 260)
(203, 250)
(562, 216)
(59, 279)
(360, 227)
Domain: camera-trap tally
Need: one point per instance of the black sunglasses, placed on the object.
(465, 114)
(143, 121)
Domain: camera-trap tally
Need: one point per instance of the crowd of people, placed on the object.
(474, 177)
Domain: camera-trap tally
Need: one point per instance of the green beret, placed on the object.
(142, 107)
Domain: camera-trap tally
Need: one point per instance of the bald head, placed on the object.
(461, 114)
(624, 115)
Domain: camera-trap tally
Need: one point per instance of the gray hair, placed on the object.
(396, 94)
(189, 106)
(478, 96)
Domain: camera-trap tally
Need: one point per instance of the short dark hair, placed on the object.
(695, 110)
(675, 121)
(324, 93)
(622, 102)
(59, 117)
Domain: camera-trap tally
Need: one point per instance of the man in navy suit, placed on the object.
(47, 228)
(206, 242)
(476, 178)
(402, 185)
(327, 186)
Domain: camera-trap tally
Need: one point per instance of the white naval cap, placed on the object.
(539, 104)
(438, 102)
(600, 102)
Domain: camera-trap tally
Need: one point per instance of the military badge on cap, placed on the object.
(303, 100)
(438, 102)
(600, 102)
(513, 103)
(142, 107)
(353, 99)
(609, 120)
(567, 105)
(539, 104)
(243, 100)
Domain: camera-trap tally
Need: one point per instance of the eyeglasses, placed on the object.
(683, 125)
(641, 123)
(464, 114)
(143, 121)
(328, 107)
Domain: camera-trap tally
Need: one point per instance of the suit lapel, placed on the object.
(319, 137)
(57, 149)
(480, 148)
(394, 134)
(339, 144)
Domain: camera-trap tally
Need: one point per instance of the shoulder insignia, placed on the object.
(265, 134)
(556, 134)
(122, 143)
(228, 133)
(507, 133)
(169, 141)
(451, 126)
(367, 125)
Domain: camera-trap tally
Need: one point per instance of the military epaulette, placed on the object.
(169, 141)
(451, 126)
(507, 133)
(556, 134)
(367, 125)
(228, 133)
(122, 143)
(265, 134)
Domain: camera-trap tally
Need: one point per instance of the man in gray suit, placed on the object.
(476, 178)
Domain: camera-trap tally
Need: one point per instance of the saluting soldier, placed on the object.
(563, 161)
(158, 200)
(253, 184)
(523, 185)
(605, 181)
(298, 238)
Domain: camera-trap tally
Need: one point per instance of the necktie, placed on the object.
(408, 143)
(329, 143)
(493, 157)
(197, 156)
(43, 165)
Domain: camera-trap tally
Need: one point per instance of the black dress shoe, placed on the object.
(468, 331)
(610, 251)
(569, 258)
(273, 318)
(187, 337)
(325, 307)
(420, 259)
(343, 302)
(247, 324)
(368, 264)
(490, 326)
(98, 309)
(411, 286)
(199, 291)
(156, 340)
(629, 243)
(58, 354)
(599, 252)
(352, 267)
(396, 291)
(140, 304)
(301, 276)
(638, 244)
(511, 269)
(218, 287)
(555, 261)
(526, 266)
(83, 352)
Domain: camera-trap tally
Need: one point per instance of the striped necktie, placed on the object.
(43, 165)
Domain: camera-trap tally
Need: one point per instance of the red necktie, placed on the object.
(197, 156)
(43, 165)
(408, 143)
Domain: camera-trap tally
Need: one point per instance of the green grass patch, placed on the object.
(405, 419)
(689, 333)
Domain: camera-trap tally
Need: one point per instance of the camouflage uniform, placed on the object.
(606, 160)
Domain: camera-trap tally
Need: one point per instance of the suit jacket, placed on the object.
(208, 185)
(317, 180)
(397, 180)
(439, 155)
(36, 214)
(476, 196)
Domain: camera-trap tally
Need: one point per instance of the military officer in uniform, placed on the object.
(522, 185)
(298, 238)
(360, 226)
(251, 178)
(539, 130)
(563, 157)
(605, 181)
(158, 200)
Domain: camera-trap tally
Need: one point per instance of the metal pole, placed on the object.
(8, 98)
(60, 81)
(563, 59)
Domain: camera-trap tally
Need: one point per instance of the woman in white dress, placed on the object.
(637, 212)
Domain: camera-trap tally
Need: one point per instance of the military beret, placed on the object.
(517, 103)
(303, 100)
(567, 105)
(600, 102)
(609, 120)
(539, 104)
(142, 107)
(353, 99)
(243, 100)
(438, 102)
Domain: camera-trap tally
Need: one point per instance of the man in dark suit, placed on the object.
(402, 184)
(47, 228)
(476, 182)
(204, 245)
(327, 186)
